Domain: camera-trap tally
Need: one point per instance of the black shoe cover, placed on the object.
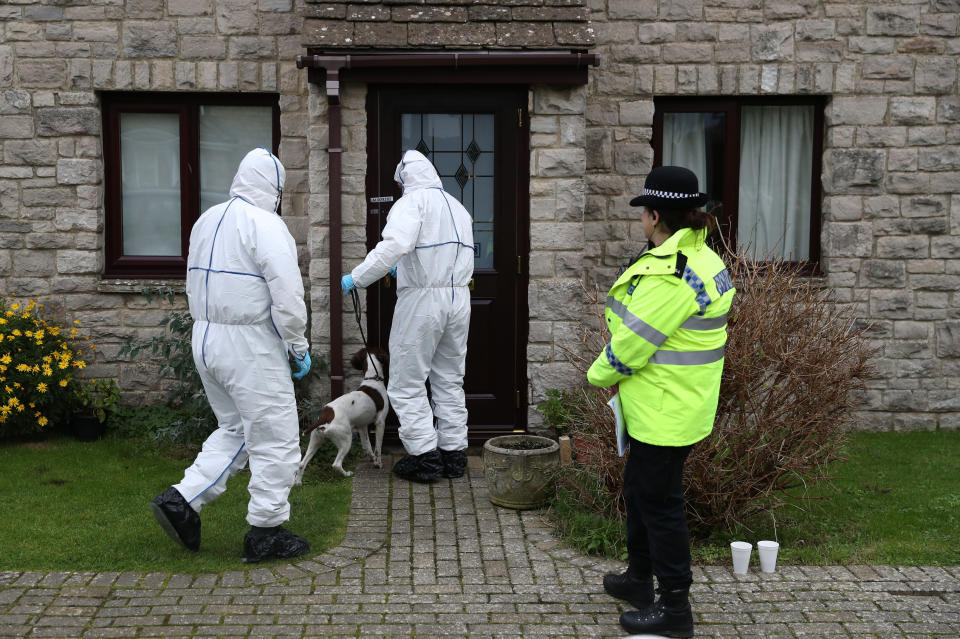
(177, 518)
(420, 468)
(659, 620)
(638, 591)
(272, 543)
(454, 463)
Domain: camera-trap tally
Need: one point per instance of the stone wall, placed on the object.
(891, 208)
(54, 61)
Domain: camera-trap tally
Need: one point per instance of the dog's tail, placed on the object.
(326, 416)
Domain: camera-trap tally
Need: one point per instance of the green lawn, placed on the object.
(72, 505)
(896, 502)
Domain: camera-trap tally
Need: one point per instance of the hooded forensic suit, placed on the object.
(246, 300)
(429, 236)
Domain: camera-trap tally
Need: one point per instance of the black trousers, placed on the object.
(658, 540)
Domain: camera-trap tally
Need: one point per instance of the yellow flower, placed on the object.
(28, 333)
(46, 358)
(63, 363)
(20, 408)
(15, 307)
(13, 401)
(42, 387)
(4, 409)
(23, 368)
(9, 313)
(47, 370)
(77, 322)
(63, 383)
(5, 359)
(3, 320)
(55, 331)
(16, 332)
(80, 363)
(42, 421)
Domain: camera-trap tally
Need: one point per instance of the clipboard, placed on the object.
(621, 426)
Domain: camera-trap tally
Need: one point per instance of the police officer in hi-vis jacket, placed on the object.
(667, 315)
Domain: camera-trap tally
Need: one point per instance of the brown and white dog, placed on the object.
(354, 411)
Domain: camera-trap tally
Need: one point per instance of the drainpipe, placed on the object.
(334, 170)
(332, 65)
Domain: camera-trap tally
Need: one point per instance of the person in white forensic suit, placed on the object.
(249, 319)
(428, 238)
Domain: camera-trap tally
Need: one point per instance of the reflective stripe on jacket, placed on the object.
(667, 320)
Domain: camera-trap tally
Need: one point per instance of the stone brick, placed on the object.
(14, 102)
(772, 43)
(78, 171)
(895, 21)
(6, 66)
(631, 10)
(948, 339)
(154, 39)
(912, 110)
(940, 159)
(639, 112)
(73, 262)
(560, 162)
(866, 110)
(235, 17)
(16, 126)
(681, 9)
(854, 171)
(202, 47)
(41, 73)
(848, 239)
(888, 67)
(936, 75)
(68, 121)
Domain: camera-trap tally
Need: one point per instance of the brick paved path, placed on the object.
(441, 561)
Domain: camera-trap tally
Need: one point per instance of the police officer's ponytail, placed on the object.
(694, 218)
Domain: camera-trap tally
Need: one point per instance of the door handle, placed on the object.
(472, 281)
(386, 280)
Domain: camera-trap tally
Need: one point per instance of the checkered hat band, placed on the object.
(669, 194)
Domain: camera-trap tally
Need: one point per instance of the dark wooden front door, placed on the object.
(477, 140)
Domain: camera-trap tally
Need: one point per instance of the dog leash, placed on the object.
(355, 299)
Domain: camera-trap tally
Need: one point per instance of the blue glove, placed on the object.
(303, 366)
(393, 271)
(346, 283)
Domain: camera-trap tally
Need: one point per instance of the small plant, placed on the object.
(98, 397)
(555, 411)
(38, 366)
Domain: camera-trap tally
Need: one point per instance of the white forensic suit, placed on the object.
(246, 300)
(429, 236)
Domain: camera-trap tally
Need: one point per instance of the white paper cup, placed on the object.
(768, 555)
(741, 556)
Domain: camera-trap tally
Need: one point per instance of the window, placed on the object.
(759, 160)
(167, 158)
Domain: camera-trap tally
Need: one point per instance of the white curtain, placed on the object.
(776, 160)
(150, 183)
(685, 144)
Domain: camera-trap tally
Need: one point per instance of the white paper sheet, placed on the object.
(621, 426)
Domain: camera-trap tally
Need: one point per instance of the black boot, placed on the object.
(638, 591)
(177, 518)
(454, 463)
(275, 542)
(671, 616)
(420, 468)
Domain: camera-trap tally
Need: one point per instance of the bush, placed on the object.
(794, 361)
(38, 367)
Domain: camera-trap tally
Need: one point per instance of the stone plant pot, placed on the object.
(520, 477)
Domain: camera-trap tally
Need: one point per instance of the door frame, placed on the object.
(521, 205)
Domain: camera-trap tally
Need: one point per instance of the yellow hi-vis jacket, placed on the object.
(667, 316)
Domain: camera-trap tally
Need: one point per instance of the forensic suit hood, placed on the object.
(245, 294)
(429, 236)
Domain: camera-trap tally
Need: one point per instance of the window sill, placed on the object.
(138, 286)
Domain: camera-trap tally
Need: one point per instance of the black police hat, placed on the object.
(670, 187)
